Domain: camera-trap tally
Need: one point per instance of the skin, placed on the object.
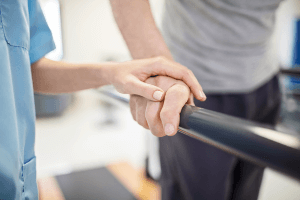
(128, 77)
(136, 23)
(155, 115)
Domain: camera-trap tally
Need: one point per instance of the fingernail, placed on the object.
(169, 129)
(202, 94)
(158, 95)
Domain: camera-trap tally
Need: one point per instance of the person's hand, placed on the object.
(162, 118)
(130, 77)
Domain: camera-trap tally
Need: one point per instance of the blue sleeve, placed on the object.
(41, 40)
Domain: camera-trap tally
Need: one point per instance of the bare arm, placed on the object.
(59, 77)
(144, 40)
(128, 77)
(138, 28)
(141, 34)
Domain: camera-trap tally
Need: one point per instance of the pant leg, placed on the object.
(247, 177)
(268, 111)
(200, 171)
(169, 187)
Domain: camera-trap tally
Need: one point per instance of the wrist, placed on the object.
(109, 71)
(166, 54)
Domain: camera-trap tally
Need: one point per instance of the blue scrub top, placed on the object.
(24, 38)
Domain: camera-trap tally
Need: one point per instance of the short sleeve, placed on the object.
(41, 40)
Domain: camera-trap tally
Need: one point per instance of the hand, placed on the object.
(131, 76)
(162, 118)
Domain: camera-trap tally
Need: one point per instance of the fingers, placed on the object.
(137, 87)
(202, 96)
(141, 104)
(180, 72)
(176, 97)
(153, 118)
(138, 108)
(132, 105)
(162, 118)
(191, 100)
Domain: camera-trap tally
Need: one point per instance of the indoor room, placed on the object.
(100, 142)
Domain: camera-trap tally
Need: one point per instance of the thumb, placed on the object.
(146, 90)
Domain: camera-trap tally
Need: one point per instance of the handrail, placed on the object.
(244, 139)
(291, 71)
(247, 140)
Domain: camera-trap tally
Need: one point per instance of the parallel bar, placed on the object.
(244, 139)
(291, 71)
(247, 140)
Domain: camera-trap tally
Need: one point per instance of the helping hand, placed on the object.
(162, 118)
(131, 76)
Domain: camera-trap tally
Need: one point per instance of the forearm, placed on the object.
(127, 77)
(138, 28)
(59, 77)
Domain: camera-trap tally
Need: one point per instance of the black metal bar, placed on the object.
(247, 140)
(291, 71)
(244, 139)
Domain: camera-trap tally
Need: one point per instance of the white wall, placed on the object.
(90, 33)
(286, 14)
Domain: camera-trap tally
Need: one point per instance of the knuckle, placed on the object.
(160, 59)
(186, 72)
(190, 72)
(123, 86)
(184, 68)
(127, 82)
(182, 89)
(123, 81)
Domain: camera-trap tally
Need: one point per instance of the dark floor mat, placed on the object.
(91, 185)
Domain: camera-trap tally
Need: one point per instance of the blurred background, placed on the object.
(90, 138)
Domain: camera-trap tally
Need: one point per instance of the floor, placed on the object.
(90, 133)
(96, 131)
(132, 184)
